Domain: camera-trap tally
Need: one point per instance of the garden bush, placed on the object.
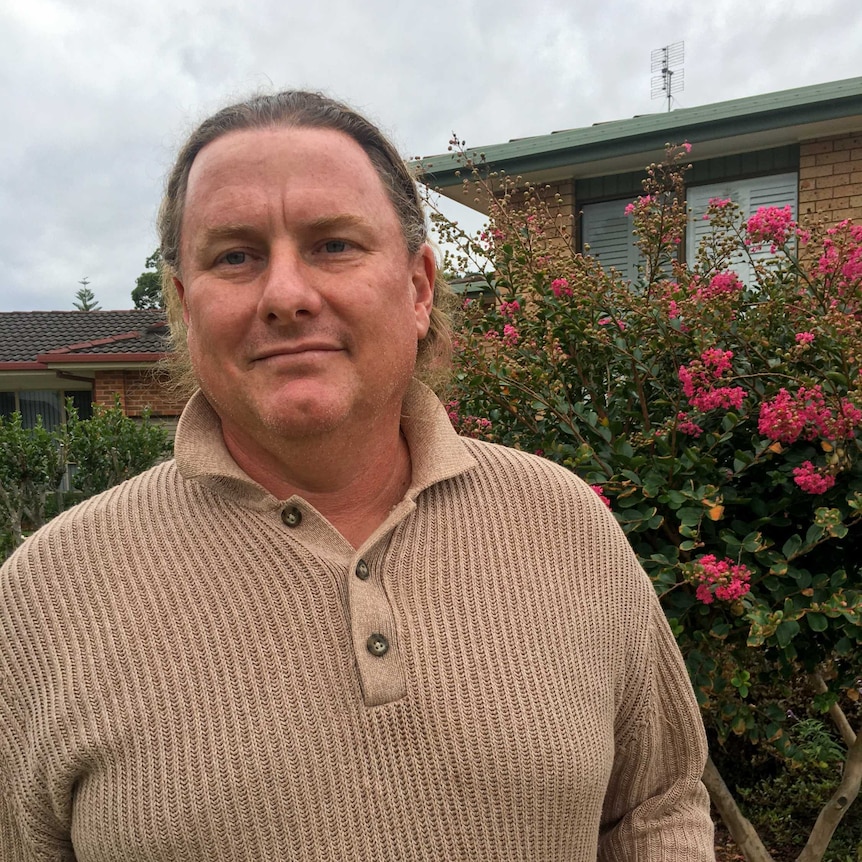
(102, 451)
(721, 422)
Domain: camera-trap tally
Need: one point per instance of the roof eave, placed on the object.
(630, 144)
(101, 361)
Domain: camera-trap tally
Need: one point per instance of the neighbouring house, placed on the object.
(800, 148)
(92, 357)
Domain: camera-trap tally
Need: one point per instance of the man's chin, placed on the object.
(296, 417)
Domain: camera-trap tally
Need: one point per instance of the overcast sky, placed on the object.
(97, 94)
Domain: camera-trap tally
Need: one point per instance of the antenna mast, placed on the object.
(670, 79)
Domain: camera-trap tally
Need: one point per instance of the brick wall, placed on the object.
(560, 200)
(137, 390)
(830, 178)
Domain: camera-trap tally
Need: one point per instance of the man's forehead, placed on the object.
(300, 153)
(244, 169)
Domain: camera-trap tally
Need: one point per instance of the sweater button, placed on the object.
(377, 645)
(291, 516)
(362, 571)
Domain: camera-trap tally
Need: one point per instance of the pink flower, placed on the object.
(511, 335)
(723, 397)
(786, 418)
(699, 382)
(779, 419)
(719, 579)
(720, 203)
(510, 309)
(598, 489)
(560, 287)
(772, 225)
(606, 321)
(804, 337)
(721, 284)
(811, 479)
(686, 426)
(641, 203)
(686, 146)
(467, 426)
(841, 260)
(848, 420)
(718, 360)
(704, 594)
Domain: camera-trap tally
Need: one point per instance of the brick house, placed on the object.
(91, 357)
(800, 147)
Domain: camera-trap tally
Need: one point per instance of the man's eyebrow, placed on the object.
(243, 230)
(343, 220)
(227, 230)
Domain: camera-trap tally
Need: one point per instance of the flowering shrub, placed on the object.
(718, 579)
(720, 421)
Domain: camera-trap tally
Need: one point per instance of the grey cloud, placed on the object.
(97, 96)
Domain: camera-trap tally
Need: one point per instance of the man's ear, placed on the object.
(424, 275)
(181, 293)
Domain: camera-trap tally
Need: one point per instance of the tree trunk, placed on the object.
(835, 711)
(743, 833)
(13, 517)
(836, 808)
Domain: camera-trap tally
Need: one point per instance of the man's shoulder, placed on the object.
(506, 466)
(104, 519)
(156, 487)
(529, 488)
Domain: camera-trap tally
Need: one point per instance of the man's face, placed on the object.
(302, 303)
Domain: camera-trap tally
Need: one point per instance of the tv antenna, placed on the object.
(667, 62)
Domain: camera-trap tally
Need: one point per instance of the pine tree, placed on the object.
(85, 298)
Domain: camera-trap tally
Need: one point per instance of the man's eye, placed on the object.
(335, 246)
(234, 258)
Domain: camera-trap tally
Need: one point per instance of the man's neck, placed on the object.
(354, 485)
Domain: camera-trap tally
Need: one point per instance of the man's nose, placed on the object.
(290, 289)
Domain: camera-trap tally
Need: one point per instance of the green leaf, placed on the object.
(844, 646)
(720, 629)
(753, 542)
(689, 515)
(786, 631)
(791, 546)
(817, 622)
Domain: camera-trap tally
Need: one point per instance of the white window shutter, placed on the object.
(778, 190)
(607, 230)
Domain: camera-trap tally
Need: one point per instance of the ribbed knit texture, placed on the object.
(184, 677)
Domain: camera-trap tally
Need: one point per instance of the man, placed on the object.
(331, 629)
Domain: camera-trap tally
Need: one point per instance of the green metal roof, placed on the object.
(822, 104)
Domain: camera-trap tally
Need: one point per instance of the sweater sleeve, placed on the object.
(29, 830)
(656, 808)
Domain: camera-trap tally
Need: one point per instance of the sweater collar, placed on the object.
(437, 453)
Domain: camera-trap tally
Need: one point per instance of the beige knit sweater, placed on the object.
(192, 670)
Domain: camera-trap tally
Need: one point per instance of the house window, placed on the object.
(753, 179)
(607, 231)
(47, 403)
(37, 402)
(777, 190)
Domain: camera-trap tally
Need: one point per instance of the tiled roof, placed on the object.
(26, 335)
